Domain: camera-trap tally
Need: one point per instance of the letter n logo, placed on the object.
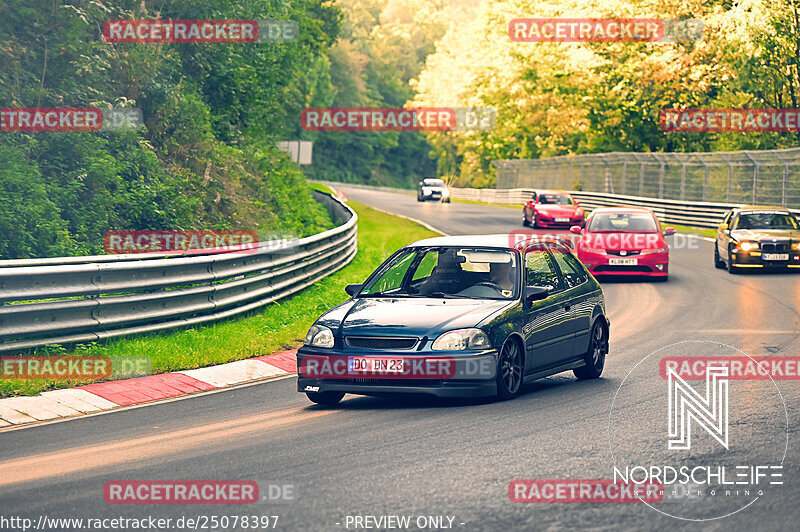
(709, 411)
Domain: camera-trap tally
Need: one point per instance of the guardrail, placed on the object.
(696, 214)
(84, 299)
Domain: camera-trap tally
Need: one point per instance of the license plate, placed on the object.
(562, 219)
(375, 365)
(775, 256)
(623, 262)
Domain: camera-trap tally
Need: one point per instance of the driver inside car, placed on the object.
(502, 274)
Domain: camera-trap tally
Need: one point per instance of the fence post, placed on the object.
(705, 180)
(783, 185)
(683, 181)
(730, 180)
(641, 179)
(624, 177)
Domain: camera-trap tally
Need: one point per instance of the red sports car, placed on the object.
(624, 241)
(548, 208)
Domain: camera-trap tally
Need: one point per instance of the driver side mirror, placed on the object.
(576, 229)
(536, 293)
(669, 231)
(353, 289)
(723, 227)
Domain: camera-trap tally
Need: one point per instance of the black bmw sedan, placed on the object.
(459, 316)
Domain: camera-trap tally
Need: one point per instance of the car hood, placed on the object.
(557, 210)
(617, 241)
(409, 316)
(765, 234)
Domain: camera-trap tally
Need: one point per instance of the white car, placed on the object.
(433, 189)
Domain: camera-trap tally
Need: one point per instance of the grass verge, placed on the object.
(278, 326)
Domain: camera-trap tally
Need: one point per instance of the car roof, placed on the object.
(553, 192)
(624, 208)
(503, 241)
(761, 208)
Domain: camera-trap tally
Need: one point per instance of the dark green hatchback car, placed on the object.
(459, 316)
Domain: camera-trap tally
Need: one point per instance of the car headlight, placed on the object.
(594, 250)
(748, 246)
(651, 251)
(579, 213)
(462, 339)
(319, 336)
(445, 193)
(796, 246)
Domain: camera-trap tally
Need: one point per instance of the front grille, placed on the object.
(618, 268)
(381, 342)
(775, 247)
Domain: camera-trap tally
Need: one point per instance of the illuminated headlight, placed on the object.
(796, 246)
(461, 340)
(651, 251)
(748, 246)
(445, 193)
(319, 336)
(594, 250)
(578, 213)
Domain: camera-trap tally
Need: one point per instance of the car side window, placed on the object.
(540, 270)
(393, 277)
(426, 265)
(571, 270)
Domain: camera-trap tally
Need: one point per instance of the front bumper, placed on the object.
(543, 221)
(470, 375)
(650, 265)
(755, 260)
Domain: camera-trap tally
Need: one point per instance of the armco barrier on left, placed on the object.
(85, 299)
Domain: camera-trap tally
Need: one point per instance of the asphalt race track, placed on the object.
(419, 457)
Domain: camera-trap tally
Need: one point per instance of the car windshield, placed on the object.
(433, 182)
(555, 199)
(447, 272)
(623, 221)
(766, 220)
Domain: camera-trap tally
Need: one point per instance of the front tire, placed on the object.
(732, 269)
(595, 357)
(325, 398)
(718, 262)
(510, 369)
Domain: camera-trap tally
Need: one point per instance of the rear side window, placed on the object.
(571, 269)
(540, 270)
